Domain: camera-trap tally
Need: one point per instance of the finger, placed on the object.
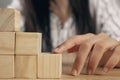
(73, 49)
(106, 57)
(99, 49)
(85, 49)
(118, 65)
(113, 60)
(76, 40)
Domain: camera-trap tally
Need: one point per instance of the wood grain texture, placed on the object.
(49, 66)
(7, 43)
(25, 67)
(28, 43)
(6, 66)
(9, 20)
(68, 60)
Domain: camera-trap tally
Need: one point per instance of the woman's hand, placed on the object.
(92, 47)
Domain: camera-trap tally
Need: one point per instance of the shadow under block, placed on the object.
(7, 43)
(28, 43)
(6, 66)
(49, 65)
(9, 20)
(25, 67)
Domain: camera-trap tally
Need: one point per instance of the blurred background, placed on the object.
(4, 3)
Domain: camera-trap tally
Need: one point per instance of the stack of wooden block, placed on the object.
(20, 52)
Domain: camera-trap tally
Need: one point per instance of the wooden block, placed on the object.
(49, 65)
(6, 66)
(7, 43)
(25, 67)
(28, 43)
(9, 20)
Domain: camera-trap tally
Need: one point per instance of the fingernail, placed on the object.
(105, 69)
(89, 72)
(74, 73)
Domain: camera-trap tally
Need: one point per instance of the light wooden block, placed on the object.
(9, 20)
(7, 43)
(6, 66)
(25, 67)
(49, 65)
(28, 43)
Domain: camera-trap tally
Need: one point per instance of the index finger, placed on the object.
(71, 42)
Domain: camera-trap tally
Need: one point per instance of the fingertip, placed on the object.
(105, 69)
(56, 50)
(89, 72)
(74, 72)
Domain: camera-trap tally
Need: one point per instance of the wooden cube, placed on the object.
(25, 67)
(28, 43)
(49, 65)
(9, 20)
(6, 66)
(7, 43)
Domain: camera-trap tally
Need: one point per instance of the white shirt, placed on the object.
(61, 33)
(106, 12)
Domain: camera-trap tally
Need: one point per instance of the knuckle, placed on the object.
(85, 44)
(90, 34)
(103, 35)
(75, 37)
(100, 45)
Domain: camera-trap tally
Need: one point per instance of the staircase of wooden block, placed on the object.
(20, 52)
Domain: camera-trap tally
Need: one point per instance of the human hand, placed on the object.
(92, 47)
